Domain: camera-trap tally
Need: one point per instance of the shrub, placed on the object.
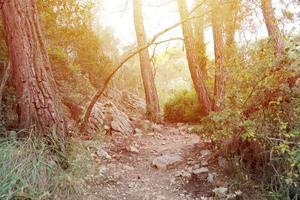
(260, 122)
(183, 106)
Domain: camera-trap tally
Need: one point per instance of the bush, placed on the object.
(182, 107)
(260, 122)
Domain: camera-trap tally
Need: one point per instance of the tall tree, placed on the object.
(38, 103)
(272, 27)
(230, 23)
(193, 59)
(199, 37)
(219, 91)
(153, 110)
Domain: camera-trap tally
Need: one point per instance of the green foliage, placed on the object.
(182, 107)
(71, 39)
(260, 122)
(32, 169)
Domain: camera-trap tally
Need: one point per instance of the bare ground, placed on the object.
(129, 173)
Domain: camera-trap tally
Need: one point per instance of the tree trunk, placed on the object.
(153, 110)
(272, 27)
(219, 91)
(38, 104)
(231, 21)
(5, 77)
(199, 39)
(193, 60)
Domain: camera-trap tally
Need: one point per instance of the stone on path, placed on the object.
(220, 191)
(200, 170)
(167, 161)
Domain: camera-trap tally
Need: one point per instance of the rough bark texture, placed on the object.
(219, 91)
(38, 104)
(4, 79)
(199, 39)
(153, 110)
(272, 27)
(193, 58)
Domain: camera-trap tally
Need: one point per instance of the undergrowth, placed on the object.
(34, 168)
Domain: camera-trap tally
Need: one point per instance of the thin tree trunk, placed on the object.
(199, 39)
(272, 27)
(153, 110)
(193, 60)
(5, 77)
(219, 91)
(38, 104)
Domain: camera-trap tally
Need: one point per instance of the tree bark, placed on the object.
(193, 58)
(153, 110)
(5, 77)
(272, 27)
(199, 39)
(219, 91)
(38, 104)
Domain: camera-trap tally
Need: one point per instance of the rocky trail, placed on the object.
(163, 162)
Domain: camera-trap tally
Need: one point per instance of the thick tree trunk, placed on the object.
(153, 110)
(219, 91)
(272, 27)
(38, 104)
(193, 60)
(199, 39)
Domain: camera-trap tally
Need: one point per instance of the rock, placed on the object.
(102, 170)
(204, 163)
(205, 152)
(133, 148)
(210, 178)
(131, 185)
(138, 131)
(167, 161)
(103, 154)
(128, 168)
(144, 125)
(12, 134)
(156, 127)
(220, 191)
(222, 162)
(106, 116)
(200, 170)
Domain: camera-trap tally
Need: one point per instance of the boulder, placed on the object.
(167, 161)
(106, 116)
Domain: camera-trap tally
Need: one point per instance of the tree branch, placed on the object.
(82, 123)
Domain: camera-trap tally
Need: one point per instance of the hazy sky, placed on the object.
(159, 14)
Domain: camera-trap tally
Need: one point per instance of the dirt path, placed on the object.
(130, 174)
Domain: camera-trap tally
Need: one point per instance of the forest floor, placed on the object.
(132, 168)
